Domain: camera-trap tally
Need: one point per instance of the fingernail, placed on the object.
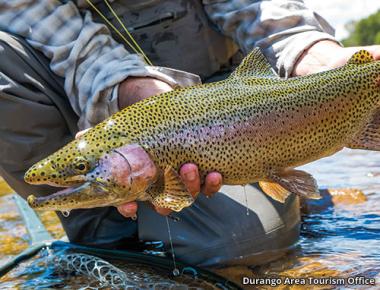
(190, 176)
(129, 207)
(215, 182)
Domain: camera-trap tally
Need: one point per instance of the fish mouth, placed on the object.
(86, 195)
(73, 181)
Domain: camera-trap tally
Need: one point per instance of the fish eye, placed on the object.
(81, 165)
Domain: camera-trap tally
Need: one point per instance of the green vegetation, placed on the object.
(364, 32)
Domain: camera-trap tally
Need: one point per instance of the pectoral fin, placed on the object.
(274, 190)
(281, 184)
(174, 194)
(369, 137)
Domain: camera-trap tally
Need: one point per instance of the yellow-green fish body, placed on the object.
(253, 126)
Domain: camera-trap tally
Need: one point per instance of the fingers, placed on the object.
(129, 210)
(162, 211)
(372, 49)
(80, 133)
(212, 184)
(375, 51)
(190, 177)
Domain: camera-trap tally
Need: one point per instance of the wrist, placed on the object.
(135, 89)
(321, 56)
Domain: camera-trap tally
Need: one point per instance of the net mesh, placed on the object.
(122, 275)
(93, 267)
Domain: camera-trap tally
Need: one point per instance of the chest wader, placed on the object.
(174, 34)
(37, 121)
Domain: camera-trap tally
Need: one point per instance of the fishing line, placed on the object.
(127, 32)
(246, 199)
(115, 29)
(175, 270)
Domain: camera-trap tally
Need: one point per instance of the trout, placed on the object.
(252, 127)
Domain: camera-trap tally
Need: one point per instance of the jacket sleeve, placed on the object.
(282, 29)
(80, 50)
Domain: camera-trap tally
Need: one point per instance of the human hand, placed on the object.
(326, 54)
(135, 89)
(190, 177)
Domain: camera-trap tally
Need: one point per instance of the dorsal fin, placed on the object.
(361, 57)
(254, 65)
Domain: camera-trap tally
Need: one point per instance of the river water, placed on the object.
(340, 241)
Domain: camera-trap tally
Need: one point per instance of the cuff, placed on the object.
(294, 48)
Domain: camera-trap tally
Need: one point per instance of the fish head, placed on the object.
(66, 167)
(119, 176)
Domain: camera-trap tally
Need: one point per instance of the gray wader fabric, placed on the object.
(227, 229)
(159, 26)
(36, 119)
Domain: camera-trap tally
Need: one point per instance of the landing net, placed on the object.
(128, 270)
